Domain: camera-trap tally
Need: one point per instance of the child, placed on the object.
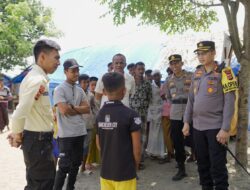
(118, 137)
(84, 84)
(93, 154)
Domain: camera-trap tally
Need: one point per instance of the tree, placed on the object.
(179, 15)
(22, 22)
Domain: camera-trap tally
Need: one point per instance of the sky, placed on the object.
(80, 22)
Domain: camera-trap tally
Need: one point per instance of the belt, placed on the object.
(40, 136)
(180, 101)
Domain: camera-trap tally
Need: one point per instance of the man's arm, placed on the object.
(228, 111)
(188, 115)
(66, 109)
(136, 142)
(83, 108)
(98, 142)
(99, 92)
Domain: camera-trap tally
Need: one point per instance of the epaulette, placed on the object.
(220, 67)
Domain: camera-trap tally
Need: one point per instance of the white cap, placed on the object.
(156, 71)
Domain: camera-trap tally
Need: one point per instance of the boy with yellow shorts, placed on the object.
(118, 137)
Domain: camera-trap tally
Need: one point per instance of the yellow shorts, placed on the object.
(118, 185)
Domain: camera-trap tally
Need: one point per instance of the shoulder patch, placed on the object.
(228, 80)
(137, 120)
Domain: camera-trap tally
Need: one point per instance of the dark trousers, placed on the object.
(178, 140)
(38, 158)
(211, 159)
(71, 155)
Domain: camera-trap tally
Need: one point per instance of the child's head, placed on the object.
(114, 85)
(92, 84)
(84, 81)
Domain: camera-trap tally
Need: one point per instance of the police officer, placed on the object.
(177, 88)
(211, 107)
(32, 122)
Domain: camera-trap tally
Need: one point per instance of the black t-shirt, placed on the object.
(115, 122)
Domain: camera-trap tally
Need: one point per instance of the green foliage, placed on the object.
(171, 15)
(22, 22)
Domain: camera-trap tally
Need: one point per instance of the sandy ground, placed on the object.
(154, 177)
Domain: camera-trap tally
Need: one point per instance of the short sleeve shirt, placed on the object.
(115, 123)
(70, 126)
(140, 100)
(130, 89)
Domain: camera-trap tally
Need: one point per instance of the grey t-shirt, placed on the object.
(70, 126)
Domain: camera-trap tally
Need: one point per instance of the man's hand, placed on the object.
(1, 98)
(15, 140)
(222, 136)
(185, 129)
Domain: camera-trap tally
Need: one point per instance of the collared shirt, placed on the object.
(33, 112)
(177, 89)
(208, 106)
(140, 100)
(130, 89)
(70, 126)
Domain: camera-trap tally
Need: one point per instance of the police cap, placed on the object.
(205, 46)
(174, 57)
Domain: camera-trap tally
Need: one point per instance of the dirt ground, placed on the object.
(154, 177)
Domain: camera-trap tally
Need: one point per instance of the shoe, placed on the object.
(191, 159)
(141, 166)
(152, 157)
(164, 160)
(181, 173)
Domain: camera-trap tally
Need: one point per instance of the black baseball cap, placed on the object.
(205, 46)
(70, 64)
(174, 57)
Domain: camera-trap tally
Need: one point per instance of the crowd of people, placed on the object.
(121, 118)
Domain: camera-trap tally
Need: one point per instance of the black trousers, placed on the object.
(71, 155)
(178, 140)
(38, 158)
(211, 159)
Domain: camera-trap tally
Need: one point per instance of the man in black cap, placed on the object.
(32, 122)
(176, 90)
(71, 102)
(211, 107)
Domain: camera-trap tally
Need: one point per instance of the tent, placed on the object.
(94, 59)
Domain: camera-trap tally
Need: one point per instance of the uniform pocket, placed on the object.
(212, 87)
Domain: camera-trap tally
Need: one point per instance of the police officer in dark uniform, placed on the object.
(177, 88)
(211, 107)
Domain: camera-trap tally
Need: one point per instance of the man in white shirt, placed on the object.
(32, 121)
(119, 63)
